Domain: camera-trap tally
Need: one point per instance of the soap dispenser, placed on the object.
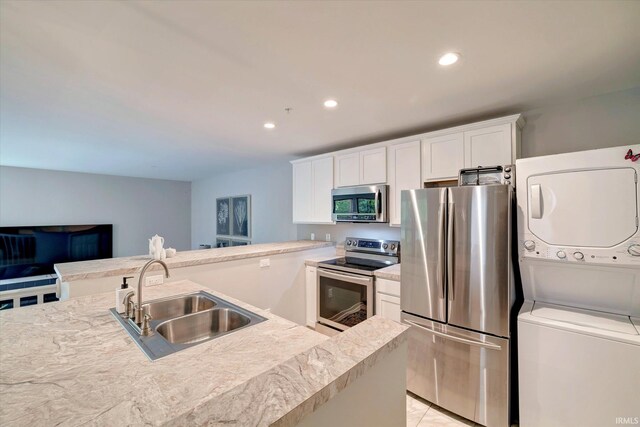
(121, 293)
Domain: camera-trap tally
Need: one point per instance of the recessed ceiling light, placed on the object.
(331, 103)
(449, 58)
(269, 125)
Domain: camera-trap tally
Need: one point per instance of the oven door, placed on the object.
(344, 299)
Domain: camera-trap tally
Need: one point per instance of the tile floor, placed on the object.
(421, 413)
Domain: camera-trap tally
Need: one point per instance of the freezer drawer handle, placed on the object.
(486, 345)
(536, 201)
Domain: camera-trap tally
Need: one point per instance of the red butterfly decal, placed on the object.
(631, 156)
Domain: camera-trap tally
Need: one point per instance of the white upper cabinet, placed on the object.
(302, 191)
(361, 167)
(312, 185)
(490, 146)
(404, 174)
(322, 186)
(373, 166)
(410, 162)
(347, 169)
(443, 156)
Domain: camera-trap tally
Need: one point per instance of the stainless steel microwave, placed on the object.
(360, 204)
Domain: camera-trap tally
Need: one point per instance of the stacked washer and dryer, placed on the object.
(579, 256)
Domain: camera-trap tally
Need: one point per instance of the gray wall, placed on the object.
(608, 120)
(270, 188)
(138, 208)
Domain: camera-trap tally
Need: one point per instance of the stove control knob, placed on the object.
(561, 254)
(529, 245)
(348, 242)
(507, 176)
(393, 247)
(578, 255)
(634, 250)
(507, 169)
(385, 246)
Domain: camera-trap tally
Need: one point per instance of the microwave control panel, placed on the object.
(627, 253)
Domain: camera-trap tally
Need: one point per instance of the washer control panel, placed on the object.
(627, 253)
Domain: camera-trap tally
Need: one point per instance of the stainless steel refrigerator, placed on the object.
(457, 294)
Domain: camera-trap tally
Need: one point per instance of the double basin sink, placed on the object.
(182, 321)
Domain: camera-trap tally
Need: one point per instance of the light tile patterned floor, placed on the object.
(421, 413)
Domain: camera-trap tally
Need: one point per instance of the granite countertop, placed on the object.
(71, 271)
(392, 272)
(71, 363)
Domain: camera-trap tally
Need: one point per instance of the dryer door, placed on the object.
(570, 208)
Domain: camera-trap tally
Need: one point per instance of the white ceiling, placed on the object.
(180, 90)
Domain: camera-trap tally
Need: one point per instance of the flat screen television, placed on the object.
(33, 250)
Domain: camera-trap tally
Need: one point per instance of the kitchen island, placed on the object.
(71, 363)
(268, 275)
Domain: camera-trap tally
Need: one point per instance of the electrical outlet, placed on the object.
(313, 236)
(154, 280)
(327, 237)
(265, 263)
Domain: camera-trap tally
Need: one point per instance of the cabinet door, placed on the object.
(443, 156)
(322, 186)
(388, 306)
(302, 192)
(404, 174)
(490, 146)
(373, 166)
(347, 170)
(311, 296)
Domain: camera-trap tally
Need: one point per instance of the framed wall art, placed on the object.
(223, 221)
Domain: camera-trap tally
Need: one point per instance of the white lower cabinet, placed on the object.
(388, 299)
(311, 279)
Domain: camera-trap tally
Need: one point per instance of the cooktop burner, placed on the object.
(356, 263)
(364, 256)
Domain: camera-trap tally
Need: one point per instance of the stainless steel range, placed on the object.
(345, 285)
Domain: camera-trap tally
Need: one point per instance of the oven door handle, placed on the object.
(348, 277)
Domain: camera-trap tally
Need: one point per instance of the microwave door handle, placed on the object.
(378, 206)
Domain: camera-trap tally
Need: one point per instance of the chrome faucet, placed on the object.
(138, 309)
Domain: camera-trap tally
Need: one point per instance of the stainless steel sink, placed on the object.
(170, 308)
(183, 321)
(202, 326)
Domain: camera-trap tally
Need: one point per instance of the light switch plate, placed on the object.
(327, 237)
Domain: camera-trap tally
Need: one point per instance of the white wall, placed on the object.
(270, 188)
(138, 208)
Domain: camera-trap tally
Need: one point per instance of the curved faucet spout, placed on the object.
(138, 318)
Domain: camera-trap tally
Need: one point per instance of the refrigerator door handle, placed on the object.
(487, 345)
(441, 248)
(450, 251)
